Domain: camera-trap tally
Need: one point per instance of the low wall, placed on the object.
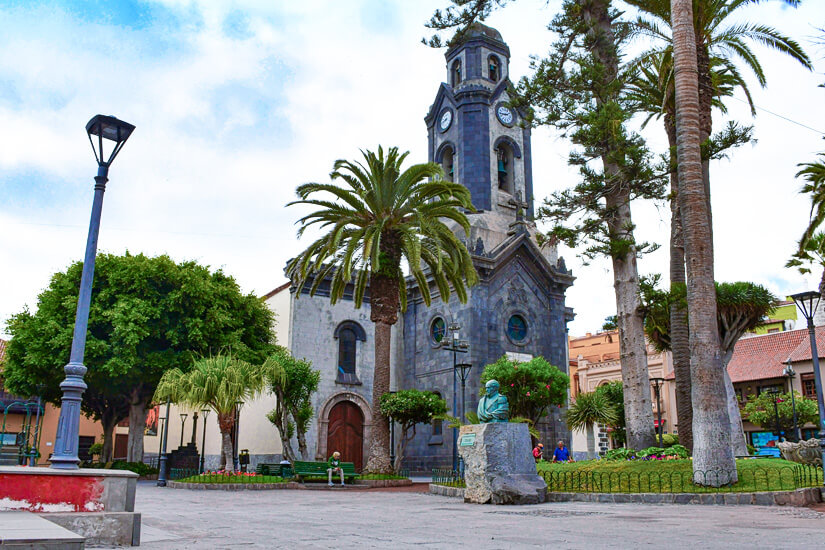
(444, 491)
(51, 490)
(384, 482)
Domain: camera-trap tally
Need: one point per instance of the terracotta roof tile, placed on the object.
(764, 356)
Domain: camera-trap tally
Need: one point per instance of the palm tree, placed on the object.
(589, 409)
(717, 46)
(220, 383)
(812, 253)
(377, 217)
(814, 175)
(711, 445)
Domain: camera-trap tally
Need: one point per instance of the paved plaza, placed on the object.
(182, 519)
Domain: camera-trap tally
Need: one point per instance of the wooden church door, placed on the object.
(346, 433)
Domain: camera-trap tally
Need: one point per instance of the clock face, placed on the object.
(446, 119)
(505, 114)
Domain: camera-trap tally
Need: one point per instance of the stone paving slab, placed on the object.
(21, 529)
(401, 520)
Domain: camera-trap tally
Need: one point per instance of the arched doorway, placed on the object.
(346, 432)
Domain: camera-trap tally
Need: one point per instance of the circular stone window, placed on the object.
(517, 328)
(438, 329)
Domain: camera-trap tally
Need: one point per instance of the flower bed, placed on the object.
(231, 477)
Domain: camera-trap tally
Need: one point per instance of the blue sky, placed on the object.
(236, 103)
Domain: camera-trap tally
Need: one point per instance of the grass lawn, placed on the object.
(673, 476)
(222, 478)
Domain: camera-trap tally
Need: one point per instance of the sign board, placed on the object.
(467, 440)
(516, 356)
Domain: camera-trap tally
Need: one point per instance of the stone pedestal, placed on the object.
(94, 503)
(499, 467)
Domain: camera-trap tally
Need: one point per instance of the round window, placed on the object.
(438, 329)
(517, 328)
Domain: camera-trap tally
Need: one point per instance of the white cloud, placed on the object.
(228, 127)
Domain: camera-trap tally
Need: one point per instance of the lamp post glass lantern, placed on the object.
(808, 302)
(106, 131)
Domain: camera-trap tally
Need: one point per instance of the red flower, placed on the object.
(547, 386)
(511, 385)
(528, 394)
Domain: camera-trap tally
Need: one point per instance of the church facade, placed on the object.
(517, 309)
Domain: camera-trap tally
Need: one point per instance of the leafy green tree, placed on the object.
(613, 392)
(759, 410)
(531, 387)
(294, 381)
(610, 323)
(811, 254)
(588, 409)
(379, 216)
(148, 315)
(217, 382)
(811, 246)
(409, 408)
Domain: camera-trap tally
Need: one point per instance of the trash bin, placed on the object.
(243, 459)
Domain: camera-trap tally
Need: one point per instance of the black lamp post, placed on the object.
(392, 439)
(67, 440)
(807, 302)
(791, 374)
(164, 439)
(775, 394)
(657, 386)
(182, 423)
(235, 460)
(456, 345)
(204, 414)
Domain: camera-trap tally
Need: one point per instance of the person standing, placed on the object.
(561, 454)
(334, 466)
(537, 451)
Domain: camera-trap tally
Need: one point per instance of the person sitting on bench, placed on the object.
(334, 466)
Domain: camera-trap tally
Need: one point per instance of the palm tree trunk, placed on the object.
(379, 458)
(226, 423)
(679, 332)
(632, 344)
(591, 441)
(711, 421)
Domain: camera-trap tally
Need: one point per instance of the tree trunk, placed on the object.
(384, 300)
(108, 420)
(137, 424)
(301, 434)
(713, 460)
(591, 441)
(630, 320)
(739, 446)
(226, 422)
(679, 332)
(379, 458)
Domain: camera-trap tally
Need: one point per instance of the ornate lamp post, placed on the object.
(99, 128)
(164, 439)
(182, 423)
(807, 302)
(456, 345)
(204, 414)
(791, 374)
(775, 394)
(657, 386)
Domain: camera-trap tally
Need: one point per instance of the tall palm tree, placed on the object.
(811, 254)
(651, 92)
(218, 382)
(379, 216)
(718, 45)
(711, 445)
(589, 409)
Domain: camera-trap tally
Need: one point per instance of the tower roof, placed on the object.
(480, 29)
(475, 33)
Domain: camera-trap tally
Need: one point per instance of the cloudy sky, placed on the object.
(236, 103)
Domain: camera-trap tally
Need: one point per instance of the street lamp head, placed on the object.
(183, 416)
(807, 302)
(788, 371)
(657, 381)
(109, 128)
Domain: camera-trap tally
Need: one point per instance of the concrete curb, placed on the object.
(799, 497)
(374, 483)
(234, 486)
(445, 491)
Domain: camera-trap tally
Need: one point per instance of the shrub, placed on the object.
(621, 453)
(96, 449)
(669, 440)
(139, 468)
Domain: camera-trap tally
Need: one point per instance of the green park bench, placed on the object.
(308, 469)
(268, 469)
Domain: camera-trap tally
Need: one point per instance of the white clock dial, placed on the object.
(505, 115)
(446, 119)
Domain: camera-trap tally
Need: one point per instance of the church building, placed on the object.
(517, 309)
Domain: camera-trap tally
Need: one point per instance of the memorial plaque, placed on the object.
(467, 440)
